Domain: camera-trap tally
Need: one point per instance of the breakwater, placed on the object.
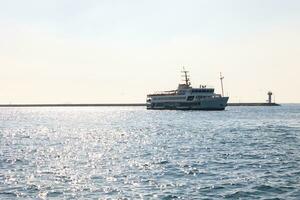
(72, 105)
(119, 104)
(253, 104)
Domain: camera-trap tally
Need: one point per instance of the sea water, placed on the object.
(134, 153)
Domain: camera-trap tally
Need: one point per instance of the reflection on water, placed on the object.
(124, 152)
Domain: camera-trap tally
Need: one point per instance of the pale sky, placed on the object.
(108, 51)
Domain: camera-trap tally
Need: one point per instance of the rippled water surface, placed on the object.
(129, 152)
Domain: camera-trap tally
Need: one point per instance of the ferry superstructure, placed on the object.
(185, 97)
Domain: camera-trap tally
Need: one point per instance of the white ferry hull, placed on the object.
(205, 104)
(185, 97)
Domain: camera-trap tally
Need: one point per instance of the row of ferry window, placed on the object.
(177, 98)
(202, 90)
(169, 98)
(177, 104)
(201, 97)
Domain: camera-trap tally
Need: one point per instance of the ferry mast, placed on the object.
(221, 78)
(186, 77)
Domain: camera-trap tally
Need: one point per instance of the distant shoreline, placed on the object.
(119, 104)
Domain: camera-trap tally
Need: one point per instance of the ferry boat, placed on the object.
(185, 97)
